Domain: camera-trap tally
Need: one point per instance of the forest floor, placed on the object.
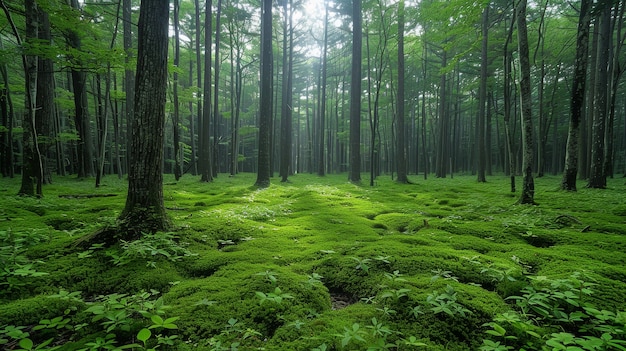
(318, 263)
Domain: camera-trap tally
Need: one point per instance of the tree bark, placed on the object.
(528, 184)
(597, 178)
(45, 111)
(265, 111)
(286, 108)
(482, 98)
(176, 117)
(216, 106)
(129, 75)
(206, 156)
(401, 129)
(144, 211)
(577, 98)
(355, 95)
(31, 157)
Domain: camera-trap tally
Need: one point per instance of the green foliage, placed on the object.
(150, 247)
(297, 265)
(554, 314)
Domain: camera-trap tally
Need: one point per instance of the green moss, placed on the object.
(470, 235)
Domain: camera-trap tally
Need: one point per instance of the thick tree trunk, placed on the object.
(265, 111)
(144, 211)
(355, 94)
(528, 184)
(577, 98)
(45, 113)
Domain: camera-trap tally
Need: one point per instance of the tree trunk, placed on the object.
(577, 98)
(401, 129)
(482, 98)
(206, 156)
(528, 184)
(31, 157)
(216, 106)
(265, 111)
(176, 117)
(321, 169)
(597, 178)
(285, 113)
(441, 165)
(129, 75)
(81, 117)
(355, 95)
(44, 115)
(144, 211)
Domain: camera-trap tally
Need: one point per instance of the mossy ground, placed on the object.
(355, 237)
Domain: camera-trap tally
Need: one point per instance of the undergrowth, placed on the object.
(317, 264)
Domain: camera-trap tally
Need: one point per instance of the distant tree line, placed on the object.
(431, 88)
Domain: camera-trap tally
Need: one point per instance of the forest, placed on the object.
(131, 134)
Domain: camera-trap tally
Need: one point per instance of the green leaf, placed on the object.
(144, 334)
(26, 344)
(156, 319)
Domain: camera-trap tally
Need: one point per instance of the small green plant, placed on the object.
(150, 247)
(557, 304)
(362, 263)
(446, 303)
(15, 267)
(276, 296)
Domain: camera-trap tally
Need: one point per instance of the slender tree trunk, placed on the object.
(321, 169)
(615, 72)
(206, 158)
(216, 106)
(31, 157)
(265, 111)
(482, 98)
(176, 117)
(145, 211)
(129, 74)
(285, 113)
(200, 116)
(355, 95)
(441, 165)
(577, 98)
(597, 178)
(528, 185)
(401, 129)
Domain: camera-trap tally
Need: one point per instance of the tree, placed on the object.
(176, 119)
(482, 99)
(286, 108)
(206, 155)
(266, 93)
(31, 157)
(129, 75)
(144, 210)
(400, 124)
(355, 94)
(81, 116)
(597, 178)
(577, 98)
(528, 184)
